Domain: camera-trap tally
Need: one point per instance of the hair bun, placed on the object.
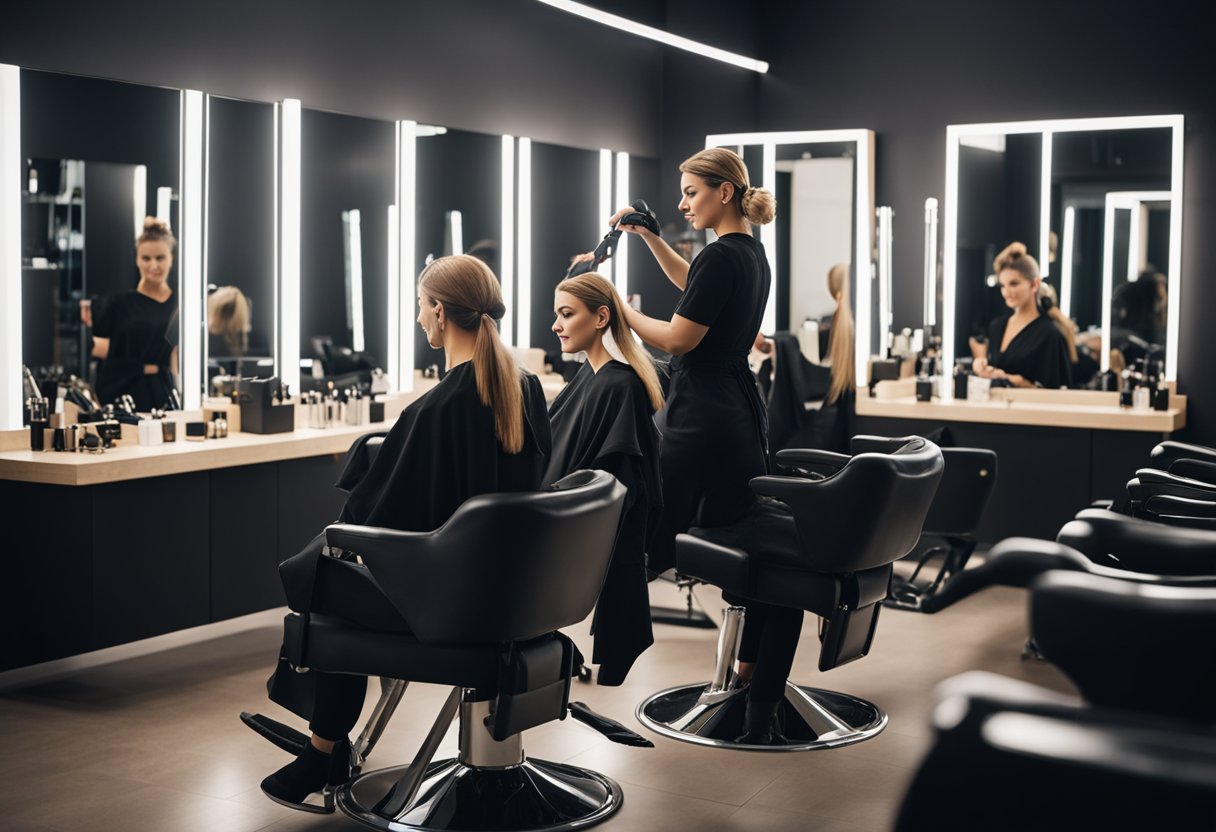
(151, 223)
(759, 206)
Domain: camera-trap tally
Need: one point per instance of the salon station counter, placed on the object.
(1057, 450)
(106, 549)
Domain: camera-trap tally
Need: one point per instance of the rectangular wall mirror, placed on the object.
(1097, 203)
(824, 184)
(240, 239)
(97, 157)
(347, 185)
(458, 206)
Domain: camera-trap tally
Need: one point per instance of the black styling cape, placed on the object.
(1038, 353)
(603, 420)
(795, 383)
(442, 451)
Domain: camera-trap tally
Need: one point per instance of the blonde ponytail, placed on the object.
(472, 300)
(840, 341)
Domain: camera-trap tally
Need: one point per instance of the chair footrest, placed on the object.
(284, 736)
(810, 718)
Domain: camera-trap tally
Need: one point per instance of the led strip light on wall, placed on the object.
(289, 243)
(354, 272)
(666, 38)
(523, 272)
(10, 248)
(1070, 226)
(507, 272)
(620, 274)
(402, 280)
(1132, 201)
(768, 234)
(190, 236)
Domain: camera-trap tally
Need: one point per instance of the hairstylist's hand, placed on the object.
(632, 229)
(585, 257)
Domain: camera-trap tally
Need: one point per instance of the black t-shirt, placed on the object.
(141, 331)
(728, 285)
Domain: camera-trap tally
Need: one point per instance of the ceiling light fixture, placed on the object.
(642, 30)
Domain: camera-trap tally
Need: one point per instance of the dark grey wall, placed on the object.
(906, 70)
(497, 66)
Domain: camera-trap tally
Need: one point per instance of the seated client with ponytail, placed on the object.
(604, 419)
(482, 429)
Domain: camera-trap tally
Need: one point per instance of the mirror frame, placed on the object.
(864, 217)
(1046, 128)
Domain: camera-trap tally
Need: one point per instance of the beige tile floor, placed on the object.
(154, 743)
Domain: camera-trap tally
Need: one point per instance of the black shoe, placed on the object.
(311, 772)
(760, 726)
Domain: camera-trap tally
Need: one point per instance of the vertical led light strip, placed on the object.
(139, 198)
(1135, 239)
(394, 297)
(768, 236)
(864, 239)
(289, 243)
(931, 262)
(1108, 272)
(354, 248)
(885, 217)
(191, 237)
(620, 276)
(10, 248)
(1045, 208)
(523, 272)
(401, 314)
(164, 207)
(949, 261)
(1173, 317)
(507, 272)
(204, 347)
(1070, 227)
(607, 209)
(456, 229)
(276, 210)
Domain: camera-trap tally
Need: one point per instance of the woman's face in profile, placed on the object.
(1015, 288)
(573, 323)
(154, 259)
(701, 205)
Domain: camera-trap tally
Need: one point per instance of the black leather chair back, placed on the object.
(1009, 756)
(962, 495)
(869, 513)
(1121, 542)
(1128, 645)
(1169, 452)
(504, 567)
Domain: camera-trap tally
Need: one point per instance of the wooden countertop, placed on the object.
(1095, 410)
(132, 461)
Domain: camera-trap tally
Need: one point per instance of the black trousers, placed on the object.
(770, 639)
(315, 582)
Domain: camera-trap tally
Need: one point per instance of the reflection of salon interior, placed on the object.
(310, 161)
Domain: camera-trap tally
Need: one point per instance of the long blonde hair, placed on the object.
(840, 341)
(228, 316)
(472, 300)
(594, 290)
(717, 165)
(1051, 308)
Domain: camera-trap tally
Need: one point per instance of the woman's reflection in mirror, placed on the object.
(1138, 315)
(1026, 348)
(134, 333)
(227, 322)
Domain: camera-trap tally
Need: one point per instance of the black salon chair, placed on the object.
(484, 596)
(850, 527)
(1010, 756)
(1174, 498)
(1098, 542)
(949, 533)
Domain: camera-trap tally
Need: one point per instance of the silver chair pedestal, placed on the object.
(810, 718)
(712, 713)
(490, 786)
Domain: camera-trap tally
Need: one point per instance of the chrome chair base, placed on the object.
(530, 797)
(810, 718)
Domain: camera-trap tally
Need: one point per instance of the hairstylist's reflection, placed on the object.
(227, 323)
(135, 333)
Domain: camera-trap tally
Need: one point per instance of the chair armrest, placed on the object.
(1153, 476)
(1195, 469)
(812, 458)
(368, 539)
(779, 488)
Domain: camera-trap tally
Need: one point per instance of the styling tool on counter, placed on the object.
(640, 215)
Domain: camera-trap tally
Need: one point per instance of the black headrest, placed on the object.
(1141, 647)
(1128, 543)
